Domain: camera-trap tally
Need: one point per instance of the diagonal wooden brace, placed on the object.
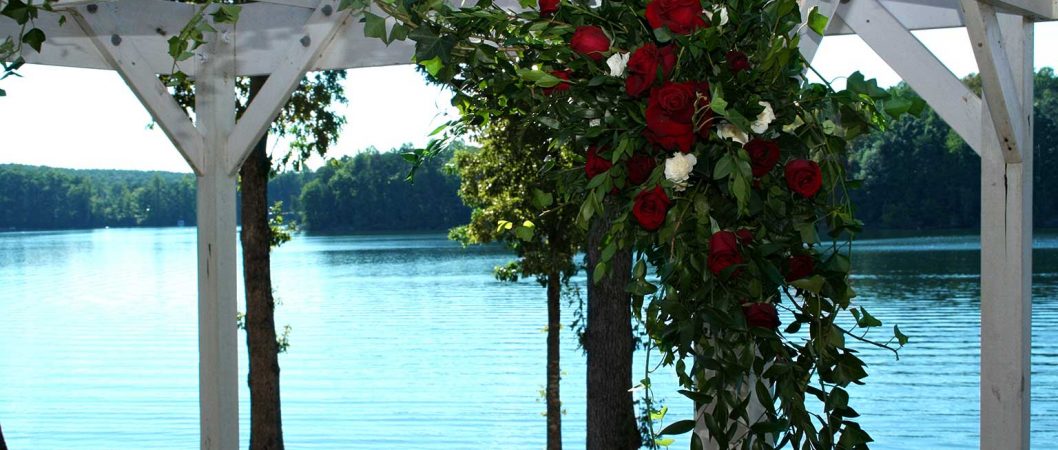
(809, 40)
(919, 67)
(997, 79)
(101, 24)
(319, 31)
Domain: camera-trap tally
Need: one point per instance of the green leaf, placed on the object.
(659, 414)
(816, 21)
(812, 284)
(662, 34)
(865, 320)
(432, 65)
(680, 427)
(19, 11)
(34, 38)
(723, 168)
(541, 199)
(227, 14)
(600, 272)
(429, 45)
(398, 33)
(524, 233)
(374, 26)
(664, 442)
(900, 337)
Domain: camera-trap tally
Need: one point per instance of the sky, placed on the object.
(82, 118)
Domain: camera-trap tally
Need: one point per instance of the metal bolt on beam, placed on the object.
(115, 39)
(306, 40)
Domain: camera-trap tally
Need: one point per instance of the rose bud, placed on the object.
(723, 251)
(763, 315)
(804, 177)
(799, 266)
(590, 41)
(763, 155)
(548, 7)
(650, 208)
(737, 61)
(639, 168)
(595, 164)
(562, 85)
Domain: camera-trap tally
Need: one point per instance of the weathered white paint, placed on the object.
(126, 59)
(266, 28)
(301, 51)
(218, 374)
(1006, 261)
(997, 78)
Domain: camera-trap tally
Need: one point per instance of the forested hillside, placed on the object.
(917, 175)
(920, 175)
(40, 198)
(369, 192)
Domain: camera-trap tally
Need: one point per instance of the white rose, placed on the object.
(617, 64)
(723, 14)
(730, 131)
(763, 119)
(678, 169)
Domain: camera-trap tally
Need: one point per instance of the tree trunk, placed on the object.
(554, 375)
(266, 423)
(3, 445)
(609, 344)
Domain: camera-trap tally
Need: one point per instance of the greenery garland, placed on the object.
(695, 120)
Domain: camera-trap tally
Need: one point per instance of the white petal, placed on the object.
(617, 63)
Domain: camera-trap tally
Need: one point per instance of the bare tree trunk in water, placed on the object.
(3, 445)
(609, 344)
(266, 422)
(554, 374)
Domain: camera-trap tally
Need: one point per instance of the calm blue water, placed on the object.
(407, 342)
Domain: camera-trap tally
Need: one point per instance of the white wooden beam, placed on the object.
(997, 79)
(302, 51)
(123, 55)
(217, 345)
(1037, 10)
(150, 23)
(810, 40)
(916, 65)
(1006, 263)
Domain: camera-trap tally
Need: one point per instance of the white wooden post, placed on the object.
(1006, 256)
(217, 342)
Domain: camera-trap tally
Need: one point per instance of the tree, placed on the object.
(3, 445)
(609, 343)
(514, 202)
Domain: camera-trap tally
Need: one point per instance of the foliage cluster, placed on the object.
(694, 122)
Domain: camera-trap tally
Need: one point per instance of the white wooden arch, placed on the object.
(286, 38)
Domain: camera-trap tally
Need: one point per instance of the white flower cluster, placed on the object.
(678, 169)
(759, 126)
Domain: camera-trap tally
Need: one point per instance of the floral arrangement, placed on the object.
(721, 167)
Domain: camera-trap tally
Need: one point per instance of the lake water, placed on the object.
(407, 342)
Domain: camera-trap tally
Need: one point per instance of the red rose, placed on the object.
(642, 68)
(680, 16)
(799, 266)
(590, 41)
(723, 251)
(639, 168)
(548, 7)
(744, 236)
(763, 155)
(737, 61)
(804, 177)
(650, 207)
(669, 134)
(704, 113)
(670, 110)
(762, 315)
(595, 164)
(562, 85)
